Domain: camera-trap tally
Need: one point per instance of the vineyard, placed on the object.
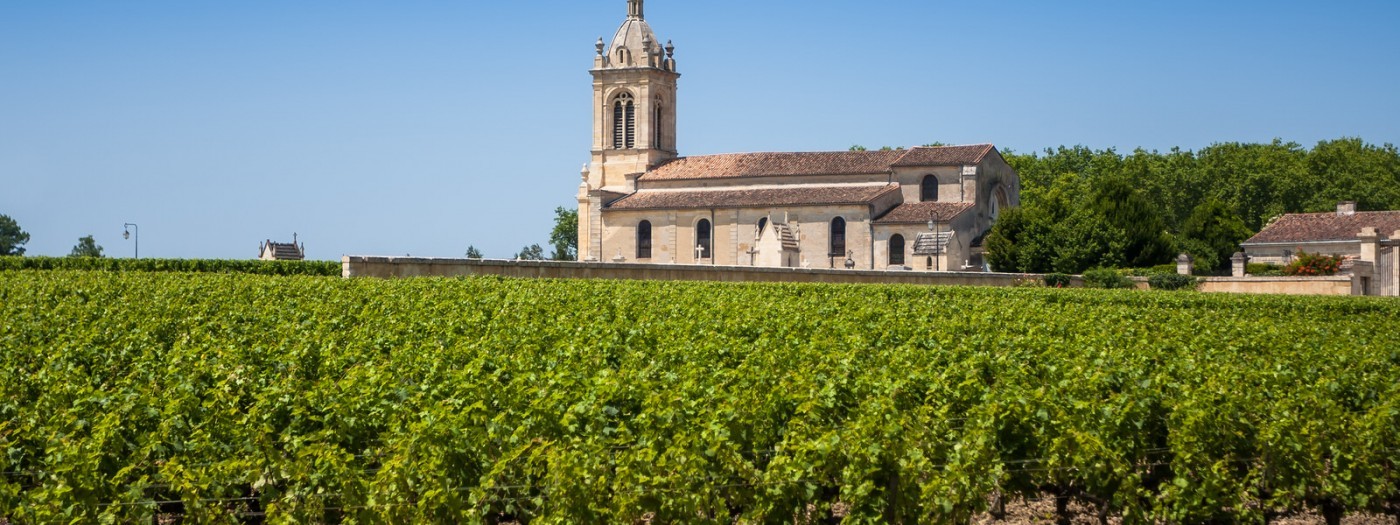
(226, 398)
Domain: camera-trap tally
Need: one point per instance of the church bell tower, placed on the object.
(634, 120)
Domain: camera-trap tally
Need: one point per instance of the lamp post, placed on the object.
(937, 244)
(126, 234)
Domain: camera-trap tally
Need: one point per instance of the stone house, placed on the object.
(1371, 240)
(924, 208)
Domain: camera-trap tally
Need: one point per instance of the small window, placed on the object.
(838, 237)
(928, 264)
(702, 238)
(644, 240)
(762, 223)
(928, 189)
(897, 250)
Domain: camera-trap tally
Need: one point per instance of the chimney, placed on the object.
(1346, 208)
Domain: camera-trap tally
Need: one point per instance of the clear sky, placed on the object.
(420, 127)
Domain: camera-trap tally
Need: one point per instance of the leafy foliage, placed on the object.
(86, 247)
(1106, 278)
(323, 268)
(532, 252)
(564, 237)
(473, 253)
(1058, 280)
(12, 238)
(1204, 199)
(1312, 264)
(1172, 281)
(488, 400)
(1213, 234)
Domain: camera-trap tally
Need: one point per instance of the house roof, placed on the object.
(736, 165)
(920, 212)
(1324, 227)
(797, 196)
(945, 156)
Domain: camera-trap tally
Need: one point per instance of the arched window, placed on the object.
(838, 237)
(702, 238)
(624, 122)
(928, 189)
(762, 223)
(897, 250)
(644, 240)
(999, 202)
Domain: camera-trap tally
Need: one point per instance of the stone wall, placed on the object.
(399, 267)
(1336, 285)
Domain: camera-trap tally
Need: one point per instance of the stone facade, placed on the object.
(1370, 240)
(639, 202)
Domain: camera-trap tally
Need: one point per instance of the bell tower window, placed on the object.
(624, 122)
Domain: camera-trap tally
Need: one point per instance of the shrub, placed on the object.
(1312, 264)
(1057, 280)
(1263, 269)
(1152, 270)
(321, 268)
(1171, 281)
(1106, 278)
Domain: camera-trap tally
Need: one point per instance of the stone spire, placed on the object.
(634, 10)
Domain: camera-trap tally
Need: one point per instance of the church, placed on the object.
(921, 209)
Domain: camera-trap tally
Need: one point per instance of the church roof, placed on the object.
(920, 212)
(1324, 227)
(802, 196)
(736, 165)
(945, 155)
(283, 251)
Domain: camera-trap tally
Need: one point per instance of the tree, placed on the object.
(12, 238)
(532, 252)
(1124, 208)
(473, 253)
(1212, 234)
(1002, 252)
(857, 147)
(564, 238)
(86, 247)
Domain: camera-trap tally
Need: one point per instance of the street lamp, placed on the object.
(126, 234)
(937, 244)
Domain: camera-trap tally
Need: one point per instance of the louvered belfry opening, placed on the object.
(644, 240)
(656, 128)
(624, 122)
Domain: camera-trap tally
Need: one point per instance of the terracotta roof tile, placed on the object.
(819, 195)
(919, 212)
(1321, 227)
(775, 164)
(945, 155)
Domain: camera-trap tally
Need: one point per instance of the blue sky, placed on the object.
(420, 127)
